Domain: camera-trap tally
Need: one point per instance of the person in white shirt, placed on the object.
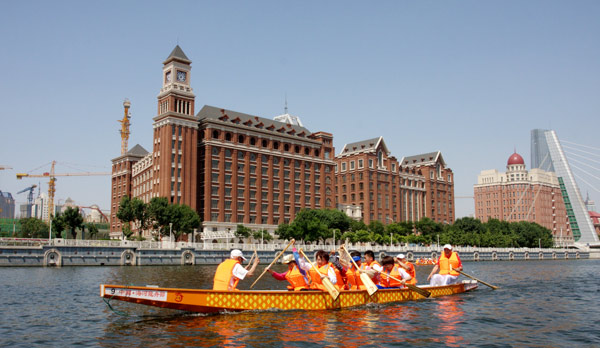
(231, 271)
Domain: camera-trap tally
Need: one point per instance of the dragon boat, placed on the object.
(212, 301)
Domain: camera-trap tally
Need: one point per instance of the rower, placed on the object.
(353, 274)
(408, 267)
(230, 271)
(392, 276)
(448, 264)
(293, 275)
(369, 264)
(324, 269)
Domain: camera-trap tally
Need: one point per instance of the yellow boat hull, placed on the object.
(211, 301)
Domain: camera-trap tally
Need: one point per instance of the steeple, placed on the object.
(177, 54)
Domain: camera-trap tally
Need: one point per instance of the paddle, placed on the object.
(480, 281)
(367, 281)
(326, 282)
(274, 260)
(252, 258)
(414, 288)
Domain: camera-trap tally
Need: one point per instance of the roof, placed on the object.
(424, 159)
(515, 158)
(177, 54)
(137, 150)
(211, 112)
(369, 145)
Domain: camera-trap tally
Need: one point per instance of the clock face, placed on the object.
(181, 76)
(168, 76)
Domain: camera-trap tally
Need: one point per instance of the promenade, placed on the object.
(73, 252)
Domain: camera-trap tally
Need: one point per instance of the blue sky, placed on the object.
(468, 78)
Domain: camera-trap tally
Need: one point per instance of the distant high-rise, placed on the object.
(547, 154)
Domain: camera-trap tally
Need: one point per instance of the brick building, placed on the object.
(439, 185)
(369, 178)
(233, 168)
(521, 195)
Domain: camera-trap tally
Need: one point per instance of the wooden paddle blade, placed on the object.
(418, 290)
(330, 288)
(371, 287)
(481, 281)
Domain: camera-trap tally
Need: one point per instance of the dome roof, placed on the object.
(515, 158)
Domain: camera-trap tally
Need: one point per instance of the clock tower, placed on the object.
(176, 133)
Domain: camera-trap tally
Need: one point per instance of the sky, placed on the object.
(468, 78)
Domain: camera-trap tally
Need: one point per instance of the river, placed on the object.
(539, 304)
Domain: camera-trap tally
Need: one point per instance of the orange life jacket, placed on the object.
(315, 275)
(296, 279)
(389, 282)
(354, 281)
(340, 284)
(445, 263)
(364, 266)
(411, 272)
(223, 275)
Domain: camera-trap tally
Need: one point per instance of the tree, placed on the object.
(73, 220)
(58, 225)
(287, 232)
(312, 226)
(242, 231)
(262, 235)
(428, 227)
(184, 219)
(377, 227)
(93, 229)
(33, 228)
(158, 210)
(140, 214)
(126, 215)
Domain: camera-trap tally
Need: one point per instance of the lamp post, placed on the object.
(170, 232)
(438, 243)
(540, 242)
(333, 238)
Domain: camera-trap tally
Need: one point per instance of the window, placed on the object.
(343, 166)
(351, 165)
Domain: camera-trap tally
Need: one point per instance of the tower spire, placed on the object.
(285, 110)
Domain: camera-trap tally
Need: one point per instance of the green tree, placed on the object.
(358, 225)
(126, 215)
(184, 219)
(33, 228)
(263, 235)
(141, 214)
(73, 220)
(158, 210)
(93, 229)
(58, 225)
(242, 231)
(287, 232)
(377, 227)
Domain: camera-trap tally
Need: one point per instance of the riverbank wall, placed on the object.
(60, 253)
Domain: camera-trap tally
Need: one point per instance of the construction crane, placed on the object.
(52, 183)
(30, 194)
(125, 126)
(97, 209)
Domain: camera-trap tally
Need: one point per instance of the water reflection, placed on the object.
(450, 314)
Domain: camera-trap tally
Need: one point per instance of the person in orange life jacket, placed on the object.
(448, 264)
(391, 269)
(353, 274)
(293, 275)
(325, 269)
(371, 264)
(230, 271)
(408, 267)
(340, 272)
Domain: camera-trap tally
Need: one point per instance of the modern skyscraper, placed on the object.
(547, 154)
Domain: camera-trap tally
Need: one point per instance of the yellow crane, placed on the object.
(52, 183)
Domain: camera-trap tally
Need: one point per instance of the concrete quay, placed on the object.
(68, 252)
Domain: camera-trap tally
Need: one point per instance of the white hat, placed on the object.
(237, 253)
(288, 258)
(401, 256)
(448, 246)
